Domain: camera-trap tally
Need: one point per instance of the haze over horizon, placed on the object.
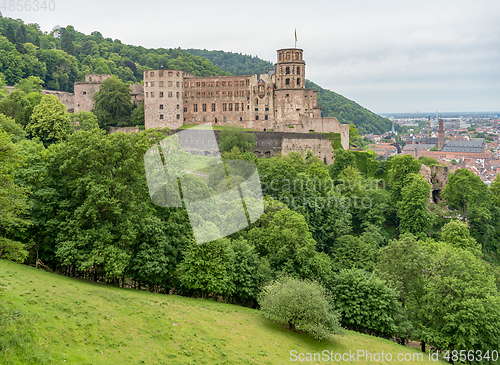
(388, 56)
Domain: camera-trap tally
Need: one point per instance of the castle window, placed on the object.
(204, 107)
(247, 82)
(223, 83)
(160, 73)
(161, 116)
(298, 70)
(178, 84)
(256, 117)
(151, 74)
(161, 106)
(297, 56)
(217, 84)
(241, 119)
(242, 106)
(287, 95)
(147, 94)
(203, 84)
(287, 70)
(195, 108)
(161, 83)
(177, 74)
(230, 107)
(178, 95)
(242, 83)
(256, 109)
(161, 94)
(288, 55)
(170, 94)
(236, 107)
(266, 117)
(224, 107)
(287, 81)
(186, 84)
(267, 109)
(224, 119)
(178, 116)
(213, 107)
(198, 84)
(256, 101)
(152, 94)
(298, 81)
(152, 83)
(198, 94)
(178, 107)
(84, 93)
(169, 83)
(185, 110)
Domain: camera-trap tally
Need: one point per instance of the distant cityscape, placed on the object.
(457, 140)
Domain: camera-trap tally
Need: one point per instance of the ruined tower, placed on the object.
(440, 135)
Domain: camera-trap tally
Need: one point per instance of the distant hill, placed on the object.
(334, 105)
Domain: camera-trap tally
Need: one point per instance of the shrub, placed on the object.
(304, 305)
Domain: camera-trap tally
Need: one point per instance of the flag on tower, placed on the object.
(295, 34)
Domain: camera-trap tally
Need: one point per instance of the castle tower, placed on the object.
(163, 105)
(440, 135)
(290, 69)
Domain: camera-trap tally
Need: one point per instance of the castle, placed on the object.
(275, 101)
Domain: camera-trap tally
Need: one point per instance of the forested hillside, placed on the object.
(235, 63)
(60, 62)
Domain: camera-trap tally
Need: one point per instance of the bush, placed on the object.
(235, 137)
(12, 250)
(304, 305)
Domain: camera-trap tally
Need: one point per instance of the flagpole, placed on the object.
(295, 37)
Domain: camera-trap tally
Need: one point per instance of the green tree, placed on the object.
(401, 167)
(365, 302)
(85, 120)
(236, 137)
(112, 104)
(49, 121)
(207, 268)
(13, 202)
(303, 305)
(466, 192)
(412, 209)
(354, 252)
(94, 203)
(138, 115)
(10, 33)
(460, 309)
(343, 159)
(67, 43)
(15, 130)
(403, 264)
(30, 84)
(457, 234)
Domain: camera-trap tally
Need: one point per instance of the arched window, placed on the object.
(288, 55)
(298, 81)
(298, 70)
(287, 70)
(287, 82)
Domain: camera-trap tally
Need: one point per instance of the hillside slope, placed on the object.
(55, 319)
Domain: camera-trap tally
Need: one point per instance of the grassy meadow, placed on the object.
(51, 319)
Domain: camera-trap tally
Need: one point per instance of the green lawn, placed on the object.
(53, 319)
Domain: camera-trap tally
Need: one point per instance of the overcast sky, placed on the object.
(387, 55)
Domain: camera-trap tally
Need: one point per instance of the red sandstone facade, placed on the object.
(275, 101)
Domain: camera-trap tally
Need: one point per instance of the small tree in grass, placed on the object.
(304, 305)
